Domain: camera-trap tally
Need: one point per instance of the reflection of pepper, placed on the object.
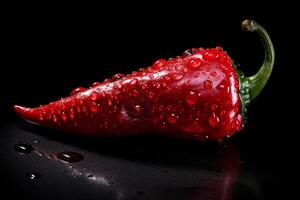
(199, 95)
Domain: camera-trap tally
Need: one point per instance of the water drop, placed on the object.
(221, 86)
(159, 63)
(213, 73)
(237, 122)
(78, 90)
(54, 119)
(117, 76)
(161, 108)
(188, 52)
(195, 63)
(214, 107)
(135, 93)
(109, 102)
(163, 125)
(157, 85)
(93, 96)
(133, 81)
(222, 113)
(210, 55)
(213, 120)
(143, 86)
(33, 175)
(71, 114)
(208, 84)
(179, 67)
(172, 118)
(94, 107)
(151, 76)
(24, 147)
(167, 78)
(151, 95)
(192, 98)
(119, 85)
(178, 77)
(136, 111)
(69, 156)
(219, 48)
(36, 141)
(41, 117)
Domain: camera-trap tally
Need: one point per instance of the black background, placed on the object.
(48, 52)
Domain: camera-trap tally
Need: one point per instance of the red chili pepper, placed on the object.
(200, 95)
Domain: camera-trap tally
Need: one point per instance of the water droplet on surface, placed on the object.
(135, 93)
(71, 114)
(222, 113)
(151, 95)
(178, 77)
(119, 85)
(159, 63)
(192, 98)
(64, 116)
(117, 76)
(133, 81)
(151, 76)
(208, 84)
(94, 107)
(157, 85)
(195, 63)
(78, 90)
(210, 55)
(33, 175)
(69, 156)
(179, 67)
(213, 73)
(36, 141)
(143, 86)
(24, 147)
(214, 107)
(236, 124)
(41, 117)
(188, 52)
(109, 102)
(219, 48)
(136, 111)
(172, 118)
(54, 119)
(221, 86)
(167, 78)
(163, 125)
(213, 120)
(93, 96)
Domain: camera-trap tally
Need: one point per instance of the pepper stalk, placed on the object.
(251, 86)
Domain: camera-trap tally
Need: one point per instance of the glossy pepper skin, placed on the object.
(199, 95)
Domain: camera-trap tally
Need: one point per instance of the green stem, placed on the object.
(258, 81)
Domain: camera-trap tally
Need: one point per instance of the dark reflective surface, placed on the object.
(138, 167)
